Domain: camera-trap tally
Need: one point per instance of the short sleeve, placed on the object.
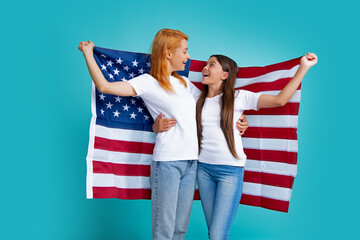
(248, 100)
(195, 92)
(140, 84)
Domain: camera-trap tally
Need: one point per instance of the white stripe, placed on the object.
(89, 157)
(125, 134)
(110, 180)
(278, 121)
(271, 167)
(267, 191)
(122, 157)
(269, 77)
(294, 99)
(271, 144)
(145, 159)
(241, 82)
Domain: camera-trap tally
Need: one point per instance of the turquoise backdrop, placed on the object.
(45, 101)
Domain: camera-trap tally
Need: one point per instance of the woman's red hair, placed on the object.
(165, 39)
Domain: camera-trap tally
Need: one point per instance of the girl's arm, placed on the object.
(269, 101)
(165, 124)
(115, 88)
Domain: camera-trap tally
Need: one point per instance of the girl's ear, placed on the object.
(225, 75)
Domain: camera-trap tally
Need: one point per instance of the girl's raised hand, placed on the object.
(309, 60)
(86, 47)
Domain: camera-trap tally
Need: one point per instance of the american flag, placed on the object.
(121, 138)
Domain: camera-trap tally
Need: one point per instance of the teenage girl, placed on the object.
(222, 158)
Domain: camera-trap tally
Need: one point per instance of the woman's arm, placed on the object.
(115, 88)
(269, 101)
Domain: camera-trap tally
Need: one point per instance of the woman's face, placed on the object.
(178, 57)
(213, 72)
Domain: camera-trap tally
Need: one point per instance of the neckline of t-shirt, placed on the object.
(215, 97)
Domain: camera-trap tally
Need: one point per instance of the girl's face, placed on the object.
(213, 72)
(178, 57)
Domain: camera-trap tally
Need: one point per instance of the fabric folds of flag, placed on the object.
(121, 137)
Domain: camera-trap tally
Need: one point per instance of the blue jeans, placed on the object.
(172, 193)
(220, 188)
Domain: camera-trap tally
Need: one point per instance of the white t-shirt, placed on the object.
(214, 148)
(180, 142)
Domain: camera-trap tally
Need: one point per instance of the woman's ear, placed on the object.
(225, 75)
(168, 53)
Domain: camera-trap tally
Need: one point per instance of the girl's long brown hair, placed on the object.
(227, 103)
(165, 39)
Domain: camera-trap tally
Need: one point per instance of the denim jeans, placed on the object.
(220, 188)
(172, 193)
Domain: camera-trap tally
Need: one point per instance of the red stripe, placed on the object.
(288, 109)
(113, 192)
(250, 72)
(258, 201)
(268, 132)
(271, 155)
(121, 169)
(127, 193)
(197, 195)
(276, 85)
(269, 179)
(199, 85)
(121, 193)
(196, 65)
(123, 146)
(267, 86)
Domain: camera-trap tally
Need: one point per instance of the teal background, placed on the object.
(45, 101)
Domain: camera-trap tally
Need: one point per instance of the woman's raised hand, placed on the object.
(309, 60)
(86, 47)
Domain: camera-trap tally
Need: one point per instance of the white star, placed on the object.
(126, 107)
(133, 101)
(116, 114)
(141, 70)
(111, 76)
(118, 99)
(131, 75)
(148, 64)
(146, 117)
(123, 79)
(102, 97)
(133, 115)
(140, 109)
(103, 67)
(135, 63)
(119, 61)
(103, 55)
(126, 68)
(102, 111)
(109, 63)
(116, 71)
(109, 105)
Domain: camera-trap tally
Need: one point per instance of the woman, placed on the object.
(174, 165)
(222, 158)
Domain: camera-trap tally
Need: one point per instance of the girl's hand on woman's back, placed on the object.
(163, 124)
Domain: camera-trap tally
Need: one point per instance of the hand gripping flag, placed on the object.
(121, 138)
